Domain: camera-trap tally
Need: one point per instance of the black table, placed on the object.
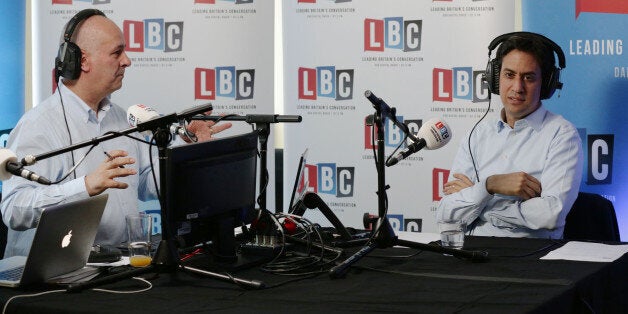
(514, 280)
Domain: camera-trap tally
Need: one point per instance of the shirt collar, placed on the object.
(74, 104)
(533, 120)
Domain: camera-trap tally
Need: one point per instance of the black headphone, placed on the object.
(68, 61)
(550, 82)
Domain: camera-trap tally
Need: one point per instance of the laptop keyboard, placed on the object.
(13, 274)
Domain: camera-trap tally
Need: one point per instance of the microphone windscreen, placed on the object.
(435, 132)
(6, 156)
(137, 114)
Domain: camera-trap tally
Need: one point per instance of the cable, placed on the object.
(72, 170)
(4, 309)
(477, 175)
(307, 262)
(129, 136)
(373, 141)
(186, 132)
(150, 286)
(545, 248)
(75, 165)
(65, 118)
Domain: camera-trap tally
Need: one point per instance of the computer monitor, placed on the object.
(210, 190)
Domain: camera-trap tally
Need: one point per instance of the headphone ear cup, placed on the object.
(492, 76)
(68, 61)
(551, 84)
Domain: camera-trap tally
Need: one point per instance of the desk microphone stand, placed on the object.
(262, 125)
(383, 235)
(166, 259)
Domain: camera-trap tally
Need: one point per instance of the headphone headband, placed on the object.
(77, 19)
(551, 80)
(555, 47)
(68, 61)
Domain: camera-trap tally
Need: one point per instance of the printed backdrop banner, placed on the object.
(184, 53)
(424, 58)
(591, 34)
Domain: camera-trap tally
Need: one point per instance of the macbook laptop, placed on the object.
(61, 245)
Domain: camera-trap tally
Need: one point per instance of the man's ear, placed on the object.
(85, 66)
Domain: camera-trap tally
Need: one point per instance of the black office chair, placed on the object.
(592, 217)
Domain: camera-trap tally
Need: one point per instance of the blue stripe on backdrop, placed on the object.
(596, 87)
(12, 17)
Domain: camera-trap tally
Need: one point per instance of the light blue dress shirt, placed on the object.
(544, 145)
(43, 129)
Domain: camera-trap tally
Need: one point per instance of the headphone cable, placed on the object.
(477, 175)
(65, 118)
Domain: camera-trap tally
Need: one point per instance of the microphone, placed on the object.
(387, 111)
(138, 114)
(434, 134)
(380, 105)
(9, 166)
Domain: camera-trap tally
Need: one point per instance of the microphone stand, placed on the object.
(383, 235)
(262, 124)
(166, 258)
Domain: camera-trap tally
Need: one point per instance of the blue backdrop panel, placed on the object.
(12, 16)
(591, 34)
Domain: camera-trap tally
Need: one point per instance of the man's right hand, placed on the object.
(113, 167)
(515, 184)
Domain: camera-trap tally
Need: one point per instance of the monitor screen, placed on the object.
(210, 190)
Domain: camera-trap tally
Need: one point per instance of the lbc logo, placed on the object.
(459, 83)
(392, 33)
(325, 81)
(328, 178)
(224, 81)
(155, 34)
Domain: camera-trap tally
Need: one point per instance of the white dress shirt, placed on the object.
(544, 145)
(43, 129)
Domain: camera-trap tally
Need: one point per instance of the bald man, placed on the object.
(80, 109)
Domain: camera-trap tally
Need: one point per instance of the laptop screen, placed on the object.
(300, 184)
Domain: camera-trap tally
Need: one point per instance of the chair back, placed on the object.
(592, 217)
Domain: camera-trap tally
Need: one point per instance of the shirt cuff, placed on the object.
(480, 192)
(76, 189)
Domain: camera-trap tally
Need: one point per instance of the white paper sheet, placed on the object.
(587, 252)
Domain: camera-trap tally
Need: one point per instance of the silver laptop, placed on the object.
(61, 245)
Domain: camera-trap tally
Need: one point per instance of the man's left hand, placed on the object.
(460, 183)
(205, 130)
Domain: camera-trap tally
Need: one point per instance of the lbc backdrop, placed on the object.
(425, 58)
(183, 52)
(422, 57)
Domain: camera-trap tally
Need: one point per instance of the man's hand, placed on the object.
(515, 184)
(113, 167)
(204, 130)
(460, 183)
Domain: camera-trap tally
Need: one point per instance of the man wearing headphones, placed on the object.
(517, 175)
(92, 62)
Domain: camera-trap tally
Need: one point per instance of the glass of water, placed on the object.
(452, 233)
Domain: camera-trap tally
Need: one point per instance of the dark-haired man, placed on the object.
(517, 175)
